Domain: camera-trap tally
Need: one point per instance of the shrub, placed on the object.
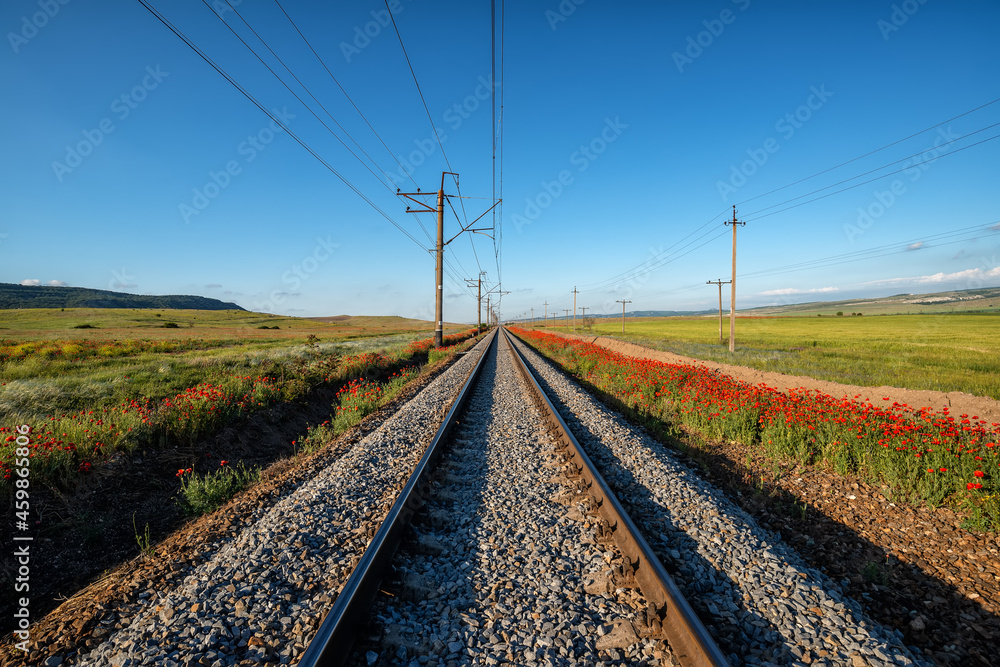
(201, 494)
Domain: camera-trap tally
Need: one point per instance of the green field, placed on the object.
(49, 365)
(942, 352)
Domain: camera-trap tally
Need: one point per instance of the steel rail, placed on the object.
(333, 640)
(678, 624)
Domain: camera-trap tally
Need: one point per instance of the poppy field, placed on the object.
(939, 352)
(923, 456)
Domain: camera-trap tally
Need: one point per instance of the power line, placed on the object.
(273, 118)
(662, 257)
(888, 164)
(870, 180)
(878, 251)
(304, 87)
(417, 84)
(349, 99)
(877, 150)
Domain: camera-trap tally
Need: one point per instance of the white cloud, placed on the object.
(31, 282)
(56, 283)
(915, 246)
(794, 290)
(976, 274)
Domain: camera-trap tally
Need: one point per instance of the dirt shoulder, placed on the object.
(956, 401)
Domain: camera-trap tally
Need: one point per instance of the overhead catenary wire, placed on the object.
(403, 169)
(417, 84)
(166, 22)
(296, 95)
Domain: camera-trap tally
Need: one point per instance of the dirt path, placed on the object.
(956, 401)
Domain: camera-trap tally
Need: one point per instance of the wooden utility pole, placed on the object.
(439, 246)
(565, 315)
(623, 302)
(532, 317)
(720, 283)
(575, 292)
(546, 318)
(478, 284)
(732, 282)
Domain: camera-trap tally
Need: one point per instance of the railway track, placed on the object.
(518, 554)
(508, 563)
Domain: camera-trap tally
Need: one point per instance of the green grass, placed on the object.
(941, 352)
(201, 494)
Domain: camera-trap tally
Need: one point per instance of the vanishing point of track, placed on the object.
(668, 615)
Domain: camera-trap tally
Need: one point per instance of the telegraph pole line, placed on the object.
(478, 284)
(575, 292)
(732, 282)
(720, 283)
(623, 302)
(440, 245)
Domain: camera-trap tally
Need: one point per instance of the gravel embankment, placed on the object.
(494, 569)
(260, 596)
(757, 596)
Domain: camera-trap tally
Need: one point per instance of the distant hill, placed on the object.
(982, 300)
(46, 296)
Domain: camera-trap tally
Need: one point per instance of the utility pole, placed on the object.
(584, 309)
(732, 294)
(623, 302)
(546, 318)
(532, 317)
(488, 311)
(566, 315)
(439, 246)
(575, 292)
(478, 284)
(720, 283)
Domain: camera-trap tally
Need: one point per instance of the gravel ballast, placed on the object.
(495, 568)
(260, 595)
(757, 596)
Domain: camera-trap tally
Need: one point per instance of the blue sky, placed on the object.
(629, 131)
